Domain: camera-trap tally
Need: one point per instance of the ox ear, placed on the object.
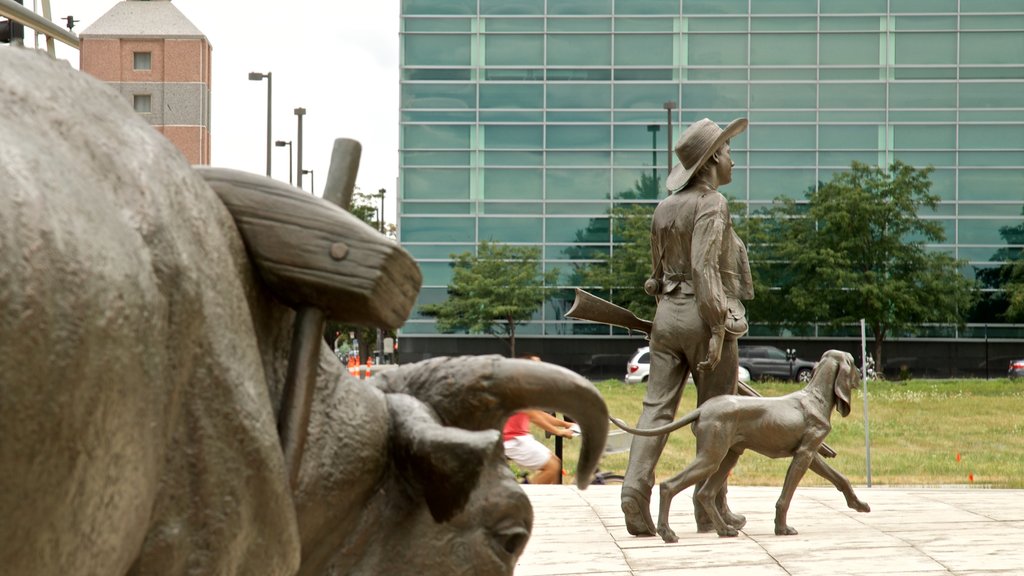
(440, 462)
(845, 380)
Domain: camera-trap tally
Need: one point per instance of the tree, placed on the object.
(1007, 279)
(493, 291)
(856, 250)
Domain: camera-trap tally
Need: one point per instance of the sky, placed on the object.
(337, 59)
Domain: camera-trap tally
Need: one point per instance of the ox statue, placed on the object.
(153, 419)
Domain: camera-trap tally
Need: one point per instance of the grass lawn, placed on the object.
(922, 433)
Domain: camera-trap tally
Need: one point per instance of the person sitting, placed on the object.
(523, 449)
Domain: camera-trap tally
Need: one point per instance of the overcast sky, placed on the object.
(337, 59)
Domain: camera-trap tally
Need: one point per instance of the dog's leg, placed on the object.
(717, 485)
(821, 468)
(797, 468)
(698, 470)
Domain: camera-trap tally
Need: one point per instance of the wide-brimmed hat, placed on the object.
(693, 149)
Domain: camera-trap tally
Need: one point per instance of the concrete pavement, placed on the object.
(909, 532)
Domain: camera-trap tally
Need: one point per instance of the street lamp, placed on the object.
(312, 182)
(257, 76)
(380, 333)
(668, 109)
(281, 144)
(653, 129)
(299, 112)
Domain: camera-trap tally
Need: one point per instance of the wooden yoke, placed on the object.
(322, 261)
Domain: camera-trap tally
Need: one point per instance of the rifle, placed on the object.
(588, 307)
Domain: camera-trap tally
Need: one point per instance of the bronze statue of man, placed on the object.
(699, 275)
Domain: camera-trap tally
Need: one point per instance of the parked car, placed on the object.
(1016, 369)
(769, 362)
(639, 368)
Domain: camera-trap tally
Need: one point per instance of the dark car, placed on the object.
(1016, 369)
(771, 363)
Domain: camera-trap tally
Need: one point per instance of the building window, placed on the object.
(143, 61)
(143, 103)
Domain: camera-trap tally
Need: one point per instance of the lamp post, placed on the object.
(281, 144)
(299, 112)
(257, 76)
(312, 182)
(668, 109)
(380, 223)
(653, 129)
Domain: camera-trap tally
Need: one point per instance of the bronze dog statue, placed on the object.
(792, 425)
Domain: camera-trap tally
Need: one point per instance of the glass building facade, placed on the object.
(527, 121)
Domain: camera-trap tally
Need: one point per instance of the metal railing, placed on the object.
(41, 24)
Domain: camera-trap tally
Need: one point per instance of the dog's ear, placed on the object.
(846, 380)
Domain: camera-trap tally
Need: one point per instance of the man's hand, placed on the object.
(714, 350)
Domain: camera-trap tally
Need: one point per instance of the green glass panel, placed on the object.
(633, 137)
(850, 49)
(922, 136)
(437, 49)
(905, 23)
(513, 50)
(437, 24)
(847, 157)
(776, 116)
(992, 73)
(579, 49)
(805, 73)
(645, 7)
(511, 96)
(578, 95)
(641, 117)
(716, 49)
(930, 158)
(984, 231)
(922, 116)
(784, 7)
(983, 159)
(587, 117)
(509, 229)
(589, 230)
(577, 208)
(992, 47)
(924, 6)
(435, 136)
(519, 116)
(650, 96)
(658, 24)
(579, 24)
(922, 95)
(715, 6)
(511, 184)
(767, 184)
(433, 251)
(592, 158)
(783, 95)
(991, 136)
(785, 24)
(635, 74)
(850, 23)
(783, 49)
(439, 7)
(418, 328)
(579, 136)
(782, 159)
(851, 95)
(411, 207)
(640, 159)
(1001, 22)
(992, 95)
(423, 229)
(697, 25)
(438, 96)
(699, 97)
(713, 74)
(991, 115)
(579, 74)
(644, 50)
(497, 136)
(636, 183)
(781, 137)
(853, 6)
(578, 184)
(438, 116)
(925, 73)
(521, 208)
(990, 6)
(512, 158)
(579, 7)
(435, 158)
(514, 74)
(436, 273)
(514, 24)
(1000, 209)
(1006, 185)
(435, 184)
(850, 74)
(432, 74)
(924, 48)
(504, 7)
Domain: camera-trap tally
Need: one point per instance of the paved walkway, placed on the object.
(909, 532)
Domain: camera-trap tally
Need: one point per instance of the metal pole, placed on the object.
(668, 109)
(300, 112)
(864, 392)
(380, 333)
(269, 108)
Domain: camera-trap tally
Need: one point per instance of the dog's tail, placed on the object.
(660, 430)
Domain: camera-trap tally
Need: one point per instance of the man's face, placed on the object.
(724, 165)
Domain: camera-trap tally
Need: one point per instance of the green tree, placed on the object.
(1007, 301)
(493, 291)
(856, 250)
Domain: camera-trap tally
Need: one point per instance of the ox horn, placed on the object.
(480, 392)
